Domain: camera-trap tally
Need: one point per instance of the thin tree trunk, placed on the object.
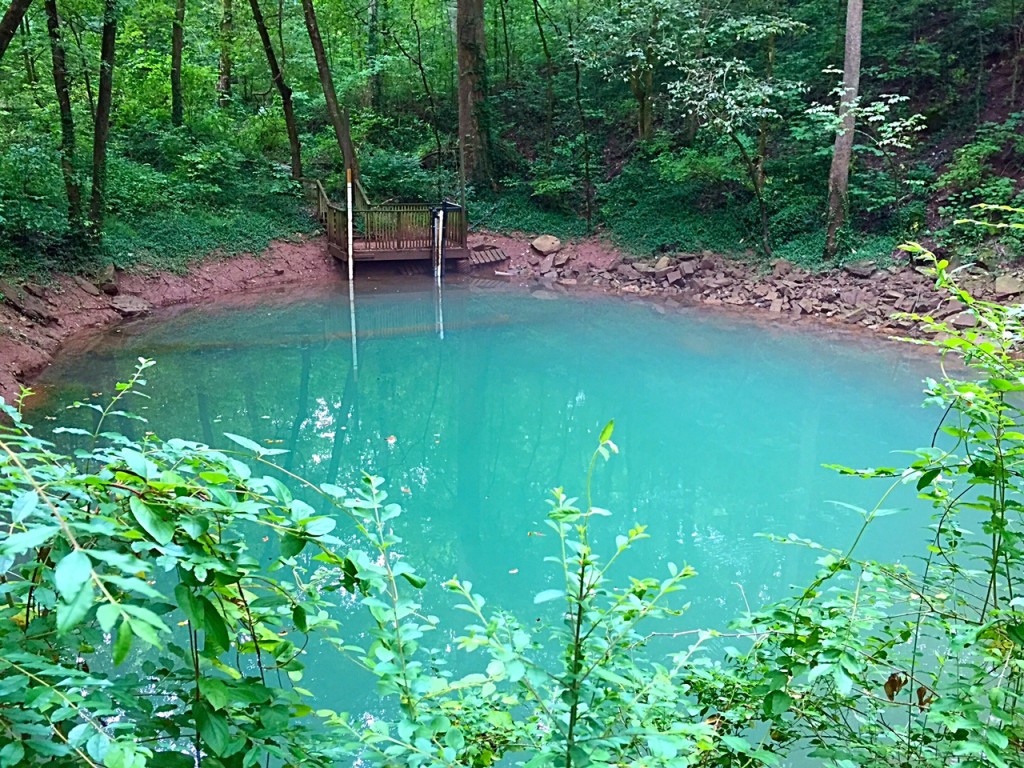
(549, 116)
(102, 129)
(641, 83)
(26, 52)
(85, 68)
(508, 45)
(472, 61)
(372, 50)
(282, 89)
(177, 48)
(10, 22)
(67, 121)
(280, 36)
(338, 120)
(842, 154)
(756, 174)
(227, 39)
(417, 61)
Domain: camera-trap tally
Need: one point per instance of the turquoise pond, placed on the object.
(723, 425)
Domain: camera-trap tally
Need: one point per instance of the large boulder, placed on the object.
(546, 245)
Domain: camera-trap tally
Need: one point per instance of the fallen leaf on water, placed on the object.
(405, 490)
(534, 533)
(392, 439)
(514, 571)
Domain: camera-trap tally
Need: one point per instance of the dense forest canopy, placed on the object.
(158, 129)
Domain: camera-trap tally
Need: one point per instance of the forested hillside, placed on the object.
(156, 130)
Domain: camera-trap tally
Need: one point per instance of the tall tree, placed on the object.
(373, 29)
(282, 89)
(842, 153)
(227, 41)
(474, 138)
(101, 131)
(177, 49)
(338, 119)
(67, 120)
(11, 21)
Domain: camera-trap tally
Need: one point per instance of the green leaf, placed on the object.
(926, 478)
(417, 581)
(291, 545)
(214, 691)
(189, 605)
(299, 617)
(245, 442)
(606, 433)
(70, 614)
(1016, 633)
(12, 754)
(72, 574)
(19, 543)
(123, 642)
(320, 526)
(736, 744)
(107, 616)
(24, 506)
(213, 728)
(547, 595)
(777, 702)
(216, 629)
(152, 523)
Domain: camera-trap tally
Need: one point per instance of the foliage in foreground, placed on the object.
(159, 594)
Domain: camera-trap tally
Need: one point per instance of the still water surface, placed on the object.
(723, 426)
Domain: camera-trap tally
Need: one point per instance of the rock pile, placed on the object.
(861, 294)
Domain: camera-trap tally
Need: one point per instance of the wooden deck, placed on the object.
(389, 232)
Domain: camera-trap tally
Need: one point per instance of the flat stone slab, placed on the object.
(130, 306)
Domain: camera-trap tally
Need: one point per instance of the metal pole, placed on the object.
(440, 311)
(440, 243)
(351, 281)
(348, 191)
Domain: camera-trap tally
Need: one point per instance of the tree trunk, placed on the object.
(839, 174)
(282, 89)
(227, 37)
(10, 22)
(641, 82)
(102, 129)
(376, 89)
(26, 52)
(508, 45)
(474, 137)
(67, 122)
(177, 46)
(85, 67)
(338, 120)
(549, 73)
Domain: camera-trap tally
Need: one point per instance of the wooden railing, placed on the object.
(389, 231)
